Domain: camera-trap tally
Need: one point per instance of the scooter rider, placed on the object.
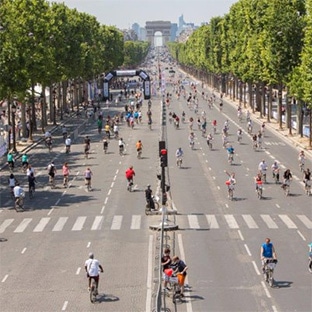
(68, 144)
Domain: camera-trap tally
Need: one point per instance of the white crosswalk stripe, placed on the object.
(59, 225)
(79, 224)
(288, 221)
(231, 221)
(193, 222)
(97, 223)
(23, 225)
(212, 222)
(269, 222)
(250, 221)
(41, 225)
(116, 223)
(135, 222)
(304, 219)
(5, 224)
(209, 221)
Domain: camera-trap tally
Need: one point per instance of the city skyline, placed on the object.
(124, 13)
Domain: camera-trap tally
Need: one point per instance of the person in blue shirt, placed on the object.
(267, 251)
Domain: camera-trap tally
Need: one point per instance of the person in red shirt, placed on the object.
(129, 175)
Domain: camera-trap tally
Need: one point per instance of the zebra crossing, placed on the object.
(136, 222)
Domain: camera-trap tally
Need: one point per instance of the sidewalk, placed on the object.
(38, 137)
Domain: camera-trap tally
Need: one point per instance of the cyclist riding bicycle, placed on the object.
(267, 251)
(129, 175)
(10, 160)
(18, 194)
(12, 181)
(107, 130)
(24, 160)
(306, 176)
(87, 142)
(31, 182)
(287, 176)
(92, 267)
(51, 171)
(68, 143)
(179, 153)
(262, 167)
(121, 145)
(139, 146)
(301, 159)
(230, 151)
(65, 171)
(275, 170)
(258, 180)
(88, 174)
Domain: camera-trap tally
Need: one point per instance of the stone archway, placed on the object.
(163, 26)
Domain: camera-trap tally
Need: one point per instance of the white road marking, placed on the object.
(288, 221)
(5, 277)
(193, 222)
(209, 168)
(247, 169)
(231, 221)
(115, 177)
(5, 224)
(50, 211)
(296, 178)
(117, 172)
(41, 225)
(214, 177)
(64, 193)
(89, 244)
(218, 187)
(109, 191)
(57, 202)
(301, 235)
(22, 226)
(112, 185)
(60, 224)
(265, 289)
(283, 167)
(102, 210)
(97, 223)
(78, 271)
(79, 223)
(116, 223)
(106, 199)
(269, 221)
(240, 235)
(64, 305)
(247, 249)
(77, 173)
(277, 205)
(227, 205)
(212, 222)
(23, 251)
(250, 221)
(304, 219)
(255, 267)
(135, 222)
(274, 308)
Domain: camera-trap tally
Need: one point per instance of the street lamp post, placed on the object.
(13, 109)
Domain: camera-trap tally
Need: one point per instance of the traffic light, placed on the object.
(163, 158)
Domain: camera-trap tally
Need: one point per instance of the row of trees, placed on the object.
(261, 43)
(57, 47)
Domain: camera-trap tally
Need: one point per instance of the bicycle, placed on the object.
(19, 203)
(175, 290)
(263, 176)
(230, 158)
(179, 162)
(307, 187)
(65, 181)
(88, 184)
(52, 181)
(230, 190)
(86, 151)
(31, 192)
(121, 150)
(139, 153)
(301, 166)
(259, 189)
(130, 185)
(93, 290)
(286, 187)
(276, 176)
(268, 270)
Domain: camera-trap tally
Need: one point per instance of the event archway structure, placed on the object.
(128, 73)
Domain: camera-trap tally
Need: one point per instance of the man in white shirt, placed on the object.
(92, 267)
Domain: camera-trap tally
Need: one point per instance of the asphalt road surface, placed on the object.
(43, 249)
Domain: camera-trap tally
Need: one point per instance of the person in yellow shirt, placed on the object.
(107, 130)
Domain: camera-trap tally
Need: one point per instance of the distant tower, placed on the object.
(136, 28)
(181, 23)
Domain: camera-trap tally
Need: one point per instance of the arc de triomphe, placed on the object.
(163, 26)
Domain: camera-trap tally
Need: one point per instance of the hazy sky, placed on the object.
(123, 13)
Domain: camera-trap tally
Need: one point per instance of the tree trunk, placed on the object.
(280, 121)
(269, 114)
(251, 101)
